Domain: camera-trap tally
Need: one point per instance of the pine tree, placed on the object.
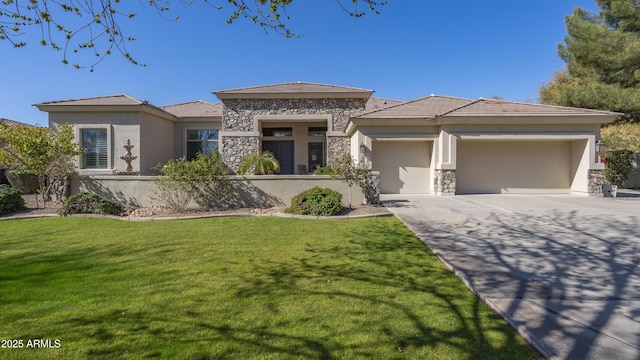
(602, 53)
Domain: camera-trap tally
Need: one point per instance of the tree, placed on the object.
(261, 163)
(42, 152)
(624, 136)
(351, 173)
(96, 25)
(602, 55)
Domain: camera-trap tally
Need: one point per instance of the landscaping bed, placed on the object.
(162, 211)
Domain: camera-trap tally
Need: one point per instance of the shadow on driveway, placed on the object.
(562, 270)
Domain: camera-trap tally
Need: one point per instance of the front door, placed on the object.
(283, 151)
(316, 155)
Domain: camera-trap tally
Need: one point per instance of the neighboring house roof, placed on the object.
(426, 107)
(294, 90)
(13, 122)
(197, 108)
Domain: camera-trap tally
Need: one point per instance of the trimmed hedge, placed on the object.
(317, 202)
(326, 170)
(87, 203)
(10, 200)
(619, 165)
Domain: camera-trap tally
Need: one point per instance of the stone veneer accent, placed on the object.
(337, 146)
(234, 148)
(595, 183)
(238, 117)
(371, 189)
(445, 182)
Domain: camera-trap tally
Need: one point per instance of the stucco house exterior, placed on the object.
(436, 145)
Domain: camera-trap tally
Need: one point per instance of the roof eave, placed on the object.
(53, 108)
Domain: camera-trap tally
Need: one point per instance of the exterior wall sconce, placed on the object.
(599, 147)
(363, 147)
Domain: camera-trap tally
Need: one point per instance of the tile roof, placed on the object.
(13, 122)
(445, 106)
(197, 108)
(426, 107)
(122, 99)
(491, 107)
(295, 89)
(376, 103)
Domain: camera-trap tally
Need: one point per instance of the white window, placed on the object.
(94, 149)
(201, 141)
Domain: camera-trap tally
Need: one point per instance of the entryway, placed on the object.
(283, 151)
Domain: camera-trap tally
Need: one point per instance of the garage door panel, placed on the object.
(403, 166)
(513, 167)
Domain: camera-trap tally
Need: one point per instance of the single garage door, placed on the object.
(512, 167)
(403, 166)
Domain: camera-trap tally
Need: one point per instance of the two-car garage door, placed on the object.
(403, 165)
(482, 166)
(511, 167)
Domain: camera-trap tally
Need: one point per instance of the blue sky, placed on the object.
(415, 48)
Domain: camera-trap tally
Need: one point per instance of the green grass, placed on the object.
(238, 288)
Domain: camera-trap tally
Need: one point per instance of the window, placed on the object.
(277, 132)
(318, 131)
(201, 141)
(94, 149)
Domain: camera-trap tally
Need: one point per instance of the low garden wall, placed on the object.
(248, 191)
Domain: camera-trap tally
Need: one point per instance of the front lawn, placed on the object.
(237, 288)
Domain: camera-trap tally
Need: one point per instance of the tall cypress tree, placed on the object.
(602, 53)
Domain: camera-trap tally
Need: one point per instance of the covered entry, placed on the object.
(403, 166)
(512, 167)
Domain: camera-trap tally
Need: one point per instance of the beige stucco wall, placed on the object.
(157, 142)
(579, 167)
(138, 190)
(121, 126)
(581, 138)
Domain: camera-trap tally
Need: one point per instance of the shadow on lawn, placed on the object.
(388, 287)
(429, 306)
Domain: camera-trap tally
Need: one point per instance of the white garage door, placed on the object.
(513, 167)
(403, 166)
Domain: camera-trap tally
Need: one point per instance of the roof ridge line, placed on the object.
(462, 107)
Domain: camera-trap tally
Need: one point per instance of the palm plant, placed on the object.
(262, 163)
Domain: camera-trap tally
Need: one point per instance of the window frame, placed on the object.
(185, 142)
(80, 128)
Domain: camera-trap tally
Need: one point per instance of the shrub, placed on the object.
(619, 164)
(87, 203)
(10, 200)
(316, 201)
(204, 179)
(325, 170)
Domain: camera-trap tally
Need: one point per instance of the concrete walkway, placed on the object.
(563, 270)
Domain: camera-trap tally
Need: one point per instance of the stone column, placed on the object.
(595, 183)
(445, 182)
(234, 148)
(337, 147)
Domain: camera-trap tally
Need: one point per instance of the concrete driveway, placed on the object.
(563, 270)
